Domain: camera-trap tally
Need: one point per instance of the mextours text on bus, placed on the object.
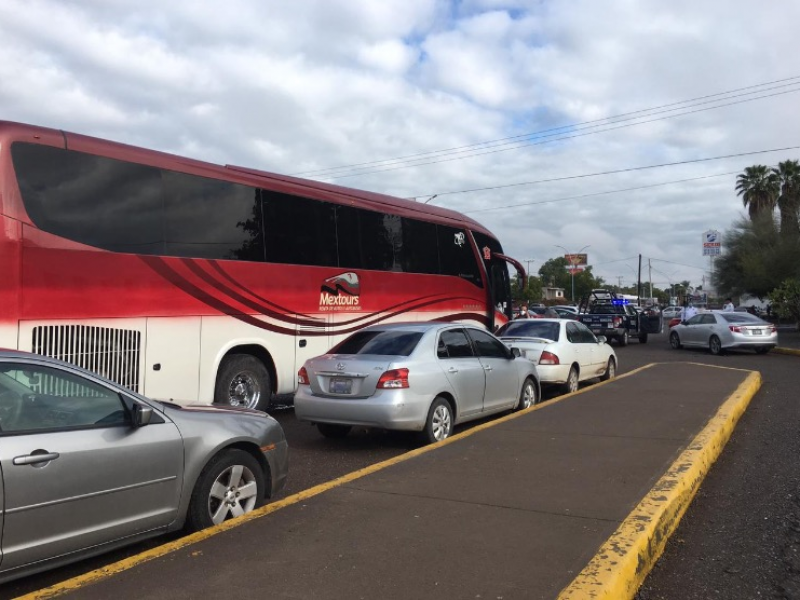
(197, 282)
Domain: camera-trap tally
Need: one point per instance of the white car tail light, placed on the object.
(548, 358)
(394, 379)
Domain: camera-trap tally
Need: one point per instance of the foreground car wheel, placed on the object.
(231, 485)
(674, 341)
(330, 430)
(529, 395)
(243, 381)
(611, 370)
(571, 384)
(715, 346)
(439, 424)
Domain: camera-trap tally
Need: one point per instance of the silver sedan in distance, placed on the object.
(88, 466)
(719, 331)
(424, 377)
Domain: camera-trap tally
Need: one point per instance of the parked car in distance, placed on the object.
(424, 377)
(567, 307)
(719, 331)
(670, 312)
(561, 312)
(566, 352)
(88, 466)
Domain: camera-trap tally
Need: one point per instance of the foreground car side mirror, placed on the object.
(515, 353)
(602, 339)
(141, 415)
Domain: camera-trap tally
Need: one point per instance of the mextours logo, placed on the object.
(340, 292)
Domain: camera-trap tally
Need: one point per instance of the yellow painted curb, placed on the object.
(625, 559)
(791, 351)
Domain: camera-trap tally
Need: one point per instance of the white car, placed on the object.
(670, 312)
(566, 352)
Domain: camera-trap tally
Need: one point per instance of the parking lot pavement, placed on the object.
(573, 498)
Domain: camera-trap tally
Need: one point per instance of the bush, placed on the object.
(785, 300)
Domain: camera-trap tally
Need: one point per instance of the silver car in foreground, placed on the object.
(88, 466)
(719, 331)
(424, 377)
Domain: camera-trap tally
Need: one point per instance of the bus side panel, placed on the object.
(10, 276)
(172, 358)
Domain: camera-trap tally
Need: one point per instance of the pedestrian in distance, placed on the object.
(728, 306)
(688, 311)
(523, 312)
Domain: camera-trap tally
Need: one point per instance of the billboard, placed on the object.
(576, 260)
(711, 243)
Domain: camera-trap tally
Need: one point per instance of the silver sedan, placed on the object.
(88, 466)
(719, 331)
(424, 377)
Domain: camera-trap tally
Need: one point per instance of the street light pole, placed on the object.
(572, 269)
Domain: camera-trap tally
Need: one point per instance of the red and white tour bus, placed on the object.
(196, 282)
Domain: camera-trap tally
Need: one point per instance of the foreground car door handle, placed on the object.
(487, 368)
(33, 459)
(452, 370)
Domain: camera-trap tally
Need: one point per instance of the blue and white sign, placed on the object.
(711, 243)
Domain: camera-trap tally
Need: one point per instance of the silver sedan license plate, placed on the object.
(341, 385)
(756, 331)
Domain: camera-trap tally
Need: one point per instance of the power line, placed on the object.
(633, 189)
(616, 172)
(497, 145)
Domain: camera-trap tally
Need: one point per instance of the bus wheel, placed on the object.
(243, 381)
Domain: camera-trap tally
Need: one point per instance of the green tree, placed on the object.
(756, 260)
(759, 188)
(531, 293)
(785, 300)
(788, 176)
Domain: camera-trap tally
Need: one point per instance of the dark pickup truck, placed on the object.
(606, 314)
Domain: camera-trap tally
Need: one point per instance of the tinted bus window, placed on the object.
(369, 239)
(299, 230)
(420, 247)
(90, 199)
(456, 256)
(208, 218)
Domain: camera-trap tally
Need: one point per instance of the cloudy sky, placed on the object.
(618, 125)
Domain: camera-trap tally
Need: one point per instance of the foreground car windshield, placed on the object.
(385, 343)
(530, 328)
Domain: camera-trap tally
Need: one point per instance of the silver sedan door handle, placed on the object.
(487, 367)
(33, 459)
(452, 370)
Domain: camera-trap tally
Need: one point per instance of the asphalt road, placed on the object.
(740, 538)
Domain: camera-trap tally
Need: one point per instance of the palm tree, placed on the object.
(788, 176)
(759, 188)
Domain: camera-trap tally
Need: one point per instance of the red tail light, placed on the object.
(302, 376)
(548, 358)
(394, 379)
(735, 328)
(616, 322)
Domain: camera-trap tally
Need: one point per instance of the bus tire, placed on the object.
(243, 381)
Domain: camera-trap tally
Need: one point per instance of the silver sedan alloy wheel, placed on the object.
(528, 395)
(441, 423)
(233, 493)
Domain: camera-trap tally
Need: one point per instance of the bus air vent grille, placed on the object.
(113, 353)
